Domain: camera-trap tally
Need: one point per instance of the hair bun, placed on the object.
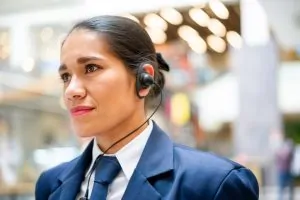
(162, 64)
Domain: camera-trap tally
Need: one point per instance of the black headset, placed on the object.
(143, 81)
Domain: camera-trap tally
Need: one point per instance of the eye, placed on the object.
(65, 77)
(91, 68)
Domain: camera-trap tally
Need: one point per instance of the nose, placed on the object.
(75, 89)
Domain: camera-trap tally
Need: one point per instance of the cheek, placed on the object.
(115, 99)
(64, 100)
(113, 86)
(115, 96)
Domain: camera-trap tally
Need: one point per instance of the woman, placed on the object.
(109, 69)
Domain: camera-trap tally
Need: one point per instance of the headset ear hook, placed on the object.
(143, 81)
(146, 80)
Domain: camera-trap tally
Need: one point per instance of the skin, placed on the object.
(93, 76)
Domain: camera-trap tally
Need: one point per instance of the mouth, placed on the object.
(81, 110)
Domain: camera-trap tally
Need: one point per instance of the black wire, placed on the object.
(101, 155)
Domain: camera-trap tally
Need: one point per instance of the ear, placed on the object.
(149, 69)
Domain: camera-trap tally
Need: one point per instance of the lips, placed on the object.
(81, 110)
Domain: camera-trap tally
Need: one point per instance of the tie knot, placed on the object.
(107, 169)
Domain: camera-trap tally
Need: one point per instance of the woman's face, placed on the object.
(99, 91)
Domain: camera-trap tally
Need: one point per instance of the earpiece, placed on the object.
(143, 81)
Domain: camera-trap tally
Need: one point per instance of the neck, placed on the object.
(105, 140)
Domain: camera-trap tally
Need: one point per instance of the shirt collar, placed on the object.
(129, 155)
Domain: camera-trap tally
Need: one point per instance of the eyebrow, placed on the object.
(81, 60)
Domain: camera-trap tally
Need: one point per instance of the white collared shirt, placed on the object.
(128, 157)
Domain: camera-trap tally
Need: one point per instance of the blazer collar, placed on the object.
(156, 159)
(72, 178)
(157, 156)
(80, 165)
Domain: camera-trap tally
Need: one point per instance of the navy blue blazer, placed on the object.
(165, 171)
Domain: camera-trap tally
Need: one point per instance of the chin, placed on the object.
(83, 128)
(83, 131)
(84, 135)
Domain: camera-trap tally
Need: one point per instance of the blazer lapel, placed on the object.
(140, 188)
(72, 178)
(69, 188)
(156, 159)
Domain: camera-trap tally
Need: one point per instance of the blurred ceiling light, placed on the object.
(216, 27)
(46, 34)
(129, 16)
(219, 9)
(157, 35)
(154, 21)
(187, 32)
(4, 38)
(198, 45)
(234, 39)
(28, 64)
(172, 16)
(216, 43)
(199, 16)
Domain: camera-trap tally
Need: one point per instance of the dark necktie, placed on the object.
(106, 171)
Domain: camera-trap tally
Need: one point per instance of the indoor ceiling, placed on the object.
(232, 23)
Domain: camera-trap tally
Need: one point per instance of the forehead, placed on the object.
(84, 43)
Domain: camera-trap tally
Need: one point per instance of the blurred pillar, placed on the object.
(255, 65)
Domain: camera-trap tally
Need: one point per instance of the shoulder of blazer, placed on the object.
(48, 181)
(202, 170)
(200, 159)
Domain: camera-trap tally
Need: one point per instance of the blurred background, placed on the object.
(233, 88)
